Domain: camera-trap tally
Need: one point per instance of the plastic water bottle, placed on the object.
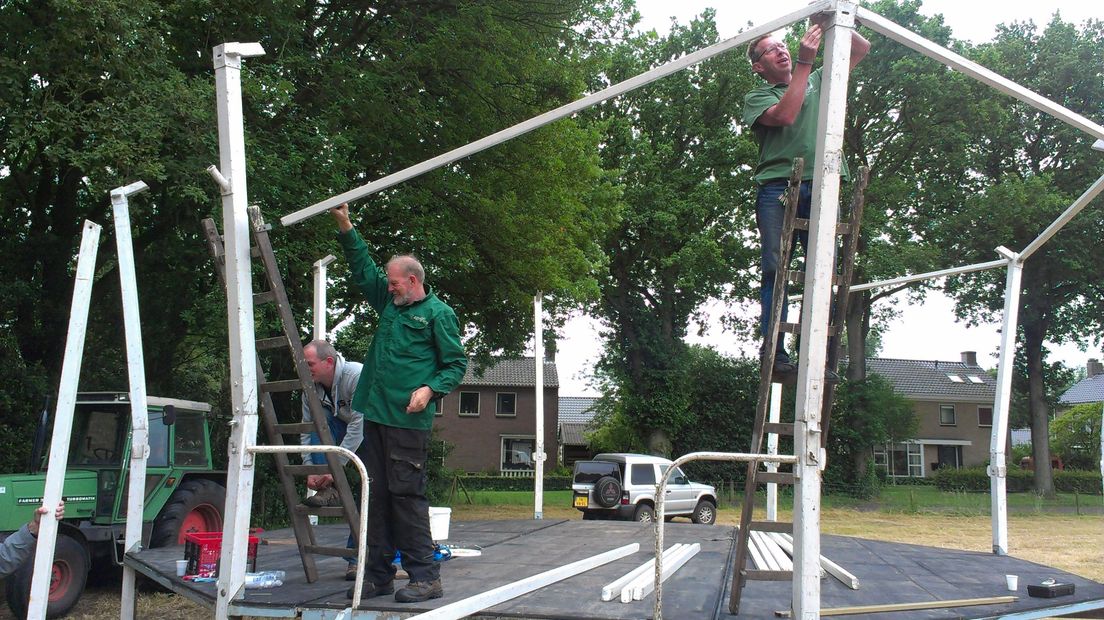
(267, 579)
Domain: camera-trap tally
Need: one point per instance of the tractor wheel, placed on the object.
(67, 579)
(196, 506)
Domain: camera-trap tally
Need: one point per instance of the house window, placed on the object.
(506, 404)
(901, 459)
(975, 379)
(955, 378)
(517, 453)
(947, 415)
(469, 404)
(985, 416)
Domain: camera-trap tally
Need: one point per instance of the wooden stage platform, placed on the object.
(513, 550)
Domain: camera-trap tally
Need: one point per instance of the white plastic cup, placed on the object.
(181, 568)
(439, 522)
(1013, 582)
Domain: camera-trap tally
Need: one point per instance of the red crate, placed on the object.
(202, 550)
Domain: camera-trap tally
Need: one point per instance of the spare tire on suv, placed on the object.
(607, 492)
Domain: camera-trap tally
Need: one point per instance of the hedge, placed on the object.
(1018, 480)
(502, 483)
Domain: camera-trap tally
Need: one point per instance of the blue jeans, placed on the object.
(769, 215)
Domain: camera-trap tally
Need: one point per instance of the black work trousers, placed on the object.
(398, 511)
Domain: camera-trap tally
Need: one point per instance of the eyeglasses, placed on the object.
(771, 49)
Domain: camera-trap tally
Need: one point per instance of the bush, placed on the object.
(1018, 480)
(502, 483)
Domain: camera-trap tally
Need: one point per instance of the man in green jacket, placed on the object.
(415, 357)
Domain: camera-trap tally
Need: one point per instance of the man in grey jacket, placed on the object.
(21, 545)
(335, 380)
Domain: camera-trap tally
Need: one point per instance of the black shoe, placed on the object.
(372, 590)
(784, 368)
(350, 573)
(418, 591)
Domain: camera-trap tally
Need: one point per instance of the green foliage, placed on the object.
(1075, 436)
(612, 430)
(1018, 480)
(685, 206)
(865, 414)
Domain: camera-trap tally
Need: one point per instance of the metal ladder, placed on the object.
(274, 292)
(848, 234)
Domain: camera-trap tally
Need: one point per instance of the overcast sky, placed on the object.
(927, 331)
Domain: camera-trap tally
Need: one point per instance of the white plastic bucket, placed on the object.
(439, 522)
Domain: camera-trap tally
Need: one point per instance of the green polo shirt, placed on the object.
(778, 146)
(414, 345)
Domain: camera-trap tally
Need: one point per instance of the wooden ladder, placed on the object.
(289, 340)
(848, 234)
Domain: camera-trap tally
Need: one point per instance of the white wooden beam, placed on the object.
(136, 371)
(820, 269)
(667, 556)
(993, 264)
(538, 441)
(883, 26)
(613, 589)
(553, 115)
(63, 421)
(846, 577)
(772, 448)
(227, 60)
(678, 559)
(1002, 398)
(320, 303)
(490, 598)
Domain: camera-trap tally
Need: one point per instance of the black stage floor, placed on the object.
(513, 550)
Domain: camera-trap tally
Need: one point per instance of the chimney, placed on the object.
(969, 358)
(1094, 367)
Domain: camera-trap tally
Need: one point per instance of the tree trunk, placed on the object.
(858, 325)
(1040, 413)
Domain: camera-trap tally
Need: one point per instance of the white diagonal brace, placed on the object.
(881, 25)
(563, 111)
(63, 421)
(1067, 215)
(136, 371)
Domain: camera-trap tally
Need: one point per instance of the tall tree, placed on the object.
(1034, 167)
(98, 94)
(680, 239)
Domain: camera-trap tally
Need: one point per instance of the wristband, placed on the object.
(803, 62)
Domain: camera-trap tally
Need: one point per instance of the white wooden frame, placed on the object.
(136, 371)
(538, 442)
(320, 303)
(63, 421)
(821, 252)
(239, 302)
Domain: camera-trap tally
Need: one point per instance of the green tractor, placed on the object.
(184, 493)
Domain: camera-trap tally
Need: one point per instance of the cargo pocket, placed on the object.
(407, 474)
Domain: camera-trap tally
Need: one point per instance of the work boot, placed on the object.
(372, 590)
(418, 591)
(325, 497)
(350, 573)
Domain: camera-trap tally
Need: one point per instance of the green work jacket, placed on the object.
(414, 345)
(778, 146)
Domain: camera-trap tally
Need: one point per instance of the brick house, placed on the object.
(954, 407)
(490, 419)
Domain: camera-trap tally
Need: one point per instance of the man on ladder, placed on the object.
(783, 115)
(415, 357)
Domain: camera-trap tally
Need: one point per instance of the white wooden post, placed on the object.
(63, 421)
(239, 299)
(320, 296)
(772, 449)
(538, 444)
(998, 466)
(816, 307)
(136, 371)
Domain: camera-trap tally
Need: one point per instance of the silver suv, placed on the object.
(623, 486)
